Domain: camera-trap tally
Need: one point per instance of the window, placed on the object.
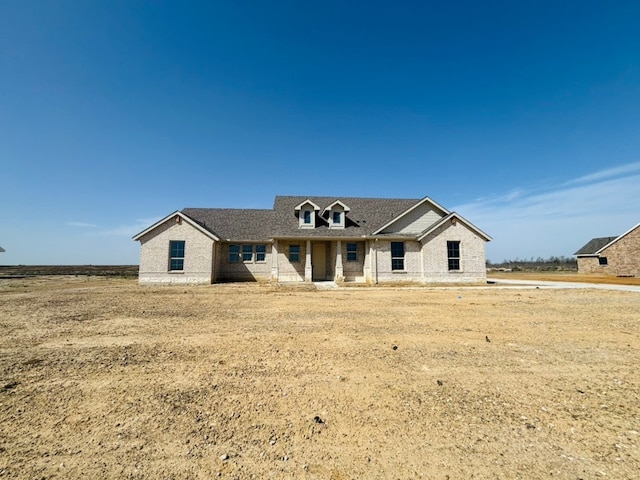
(261, 253)
(245, 252)
(397, 255)
(294, 253)
(234, 253)
(307, 217)
(176, 255)
(602, 261)
(336, 217)
(453, 255)
(352, 252)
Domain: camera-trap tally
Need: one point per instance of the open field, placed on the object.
(102, 378)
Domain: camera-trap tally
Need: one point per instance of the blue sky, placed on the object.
(522, 116)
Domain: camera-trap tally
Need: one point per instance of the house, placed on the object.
(618, 256)
(346, 239)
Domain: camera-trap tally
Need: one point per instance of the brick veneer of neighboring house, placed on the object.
(619, 256)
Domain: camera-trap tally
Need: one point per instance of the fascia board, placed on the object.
(185, 218)
(337, 202)
(299, 206)
(460, 219)
(618, 238)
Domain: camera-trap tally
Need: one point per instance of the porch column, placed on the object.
(274, 261)
(339, 277)
(422, 275)
(308, 271)
(366, 266)
(374, 261)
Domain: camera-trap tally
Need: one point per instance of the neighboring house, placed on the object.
(618, 256)
(368, 240)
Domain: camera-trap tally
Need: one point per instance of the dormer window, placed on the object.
(336, 212)
(306, 213)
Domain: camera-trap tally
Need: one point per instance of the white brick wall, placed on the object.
(412, 270)
(291, 272)
(207, 261)
(472, 255)
(154, 255)
(243, 271)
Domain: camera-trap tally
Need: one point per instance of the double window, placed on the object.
(453, 255)
(397, 255)
(352, 252)
(248, 253)
(176, 255)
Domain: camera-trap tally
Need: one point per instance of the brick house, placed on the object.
(618, 256)
(350, 239)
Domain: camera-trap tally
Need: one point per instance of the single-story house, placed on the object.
(305, 239)
(619, 256)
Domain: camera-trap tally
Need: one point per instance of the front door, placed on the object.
(319, 262)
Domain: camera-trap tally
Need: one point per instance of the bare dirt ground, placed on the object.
(102, 378)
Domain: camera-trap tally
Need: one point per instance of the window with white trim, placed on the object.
(294, 253)
(453, 255)
(176, 255)
(352, 252)
(397, 255)
(248, 253)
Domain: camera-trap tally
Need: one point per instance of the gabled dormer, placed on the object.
(337, 213)
(306, 212)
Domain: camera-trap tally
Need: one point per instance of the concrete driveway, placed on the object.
(560, 285)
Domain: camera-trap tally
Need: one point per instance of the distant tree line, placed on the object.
(536, 264)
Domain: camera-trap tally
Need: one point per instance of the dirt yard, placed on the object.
(102, 378)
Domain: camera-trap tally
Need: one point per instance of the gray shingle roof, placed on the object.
(365, 216)
(234, 223)
(594, 245)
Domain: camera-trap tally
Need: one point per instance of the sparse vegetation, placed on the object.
(127, 271)
(555, 264)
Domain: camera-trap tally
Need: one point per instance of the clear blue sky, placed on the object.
(522, 116)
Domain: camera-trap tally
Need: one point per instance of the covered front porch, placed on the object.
(317, 260)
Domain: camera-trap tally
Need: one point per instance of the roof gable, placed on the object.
(454, 217)
(416, 218)
(328, 208)
(176, 217)
(617, 239)
(307, 202)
